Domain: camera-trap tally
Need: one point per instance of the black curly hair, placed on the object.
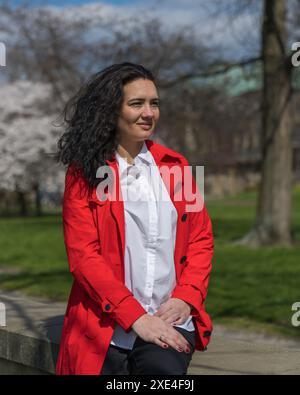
(90, 118)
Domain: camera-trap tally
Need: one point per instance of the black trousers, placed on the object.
(148, 358)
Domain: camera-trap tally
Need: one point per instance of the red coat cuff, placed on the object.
(127, 312)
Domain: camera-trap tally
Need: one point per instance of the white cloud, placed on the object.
(239, 35)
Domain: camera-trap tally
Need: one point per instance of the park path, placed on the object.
(238, 352)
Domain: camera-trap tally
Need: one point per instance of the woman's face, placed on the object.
(139, 111)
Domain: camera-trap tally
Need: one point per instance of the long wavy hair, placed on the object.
(90, 119)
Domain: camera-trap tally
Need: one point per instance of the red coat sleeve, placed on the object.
(193, 282)
(86, 263)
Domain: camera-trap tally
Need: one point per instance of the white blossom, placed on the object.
(27, 134)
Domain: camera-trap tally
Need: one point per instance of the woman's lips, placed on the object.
(145, 126)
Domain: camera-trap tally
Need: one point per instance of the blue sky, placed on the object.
(63, 3)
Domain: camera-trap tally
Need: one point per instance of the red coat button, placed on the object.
(183, 259)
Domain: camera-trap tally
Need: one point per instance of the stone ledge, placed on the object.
(31, 340)
(32, 332)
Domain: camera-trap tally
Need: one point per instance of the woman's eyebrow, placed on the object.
(142, 99)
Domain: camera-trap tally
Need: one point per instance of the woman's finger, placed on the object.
(170, 314)
(160, 342)
(171, 318)
(178, 321)
(161, 310)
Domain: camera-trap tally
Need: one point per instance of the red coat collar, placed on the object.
(159, 153)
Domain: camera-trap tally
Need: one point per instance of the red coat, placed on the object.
(94, 233)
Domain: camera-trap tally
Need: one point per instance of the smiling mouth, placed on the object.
(145, 126)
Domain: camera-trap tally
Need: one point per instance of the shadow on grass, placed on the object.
(30, 215)
(54, 285)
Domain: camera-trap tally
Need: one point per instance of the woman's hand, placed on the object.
(174, 311)
(154, 330)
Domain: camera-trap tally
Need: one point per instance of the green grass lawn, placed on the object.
(248, 288)
(252, 288)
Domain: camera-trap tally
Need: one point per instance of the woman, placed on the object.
(140, 265)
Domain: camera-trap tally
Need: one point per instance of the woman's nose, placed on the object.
(147, 111)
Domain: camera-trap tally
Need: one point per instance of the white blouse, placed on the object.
(150, 231)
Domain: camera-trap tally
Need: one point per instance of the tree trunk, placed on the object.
(272, 224)
(38, 204)
(22, 203)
